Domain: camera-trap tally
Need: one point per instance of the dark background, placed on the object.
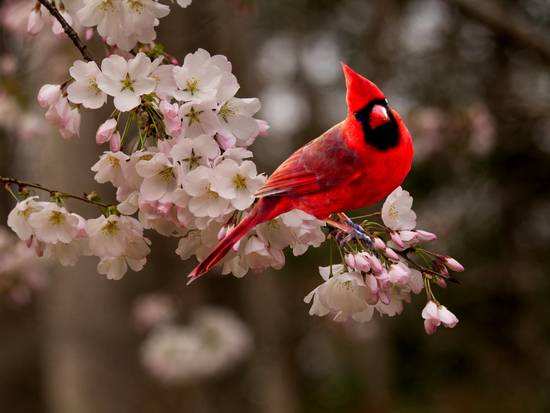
(472, 82)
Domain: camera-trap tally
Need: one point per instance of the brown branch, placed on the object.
(498, 20)
(69, 31)
(8, 181)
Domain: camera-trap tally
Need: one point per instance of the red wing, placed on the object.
(321, 164)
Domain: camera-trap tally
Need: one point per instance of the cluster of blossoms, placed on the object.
(120, 23)
(20, 271)
(383, 274)
(178, 157)
(187, 174)
(54, 232)
(213, 342)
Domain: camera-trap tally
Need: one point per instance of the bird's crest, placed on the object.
(360, 90)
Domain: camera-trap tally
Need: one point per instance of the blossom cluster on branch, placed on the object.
(178, 156)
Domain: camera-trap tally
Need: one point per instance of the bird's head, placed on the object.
(369, 112)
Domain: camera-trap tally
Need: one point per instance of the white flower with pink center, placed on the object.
(126, 80)
(84, 89)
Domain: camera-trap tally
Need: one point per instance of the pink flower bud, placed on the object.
(48, 95)
(114, 143)
(264, 127)
(441, 282)
(391, 254)
(105, 131)
(399, 274)
(35, 23)
(372, 287)
(171, 117)
(226, 141)
(375, 263)
(425, 235)
(350, 261)
(452, 264)
(89, 33)
(237, 246)
(222, 233)
(397, 239)
(379, 244)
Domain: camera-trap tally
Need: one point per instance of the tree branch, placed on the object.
(498, 20)
(7, 181)
(73, 35)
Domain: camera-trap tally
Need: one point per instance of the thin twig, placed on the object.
(8, 181)
(505, 23)
(73, 35)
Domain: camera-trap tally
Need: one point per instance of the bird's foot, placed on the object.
(356, 231)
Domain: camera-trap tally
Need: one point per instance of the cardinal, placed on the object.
(356, 163)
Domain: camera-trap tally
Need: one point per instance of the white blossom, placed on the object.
(205, 201)
(343, 294)
(159, 177)
(126, 80)
(192, 153)
(237, 183)
(84, 89)
(109, 168)
(18, 218)
(397, 212)
(199, 118)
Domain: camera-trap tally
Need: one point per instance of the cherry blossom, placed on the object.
(434, 315)
(199, 118)
(342, 294)
(84, 89)
(396, 211)
(105, 131)
(18, 218)
(237, 183)
(160, 177)
(126, 80)
(205, 201)
(54, 224)
(191, 153)
(109, 168)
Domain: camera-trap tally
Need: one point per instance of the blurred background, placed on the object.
(471, 80)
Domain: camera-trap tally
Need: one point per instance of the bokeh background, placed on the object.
(471, 79)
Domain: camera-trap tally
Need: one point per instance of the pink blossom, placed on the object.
(114, 143)
(48, 95)
(172, 120)
(425, 235)
(263, 127)
(434, 315)
(452, 264)
(105, 131)
(35, 23)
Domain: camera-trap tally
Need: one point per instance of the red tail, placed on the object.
(264, 210)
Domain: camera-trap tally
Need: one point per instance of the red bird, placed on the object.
(354, 164)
